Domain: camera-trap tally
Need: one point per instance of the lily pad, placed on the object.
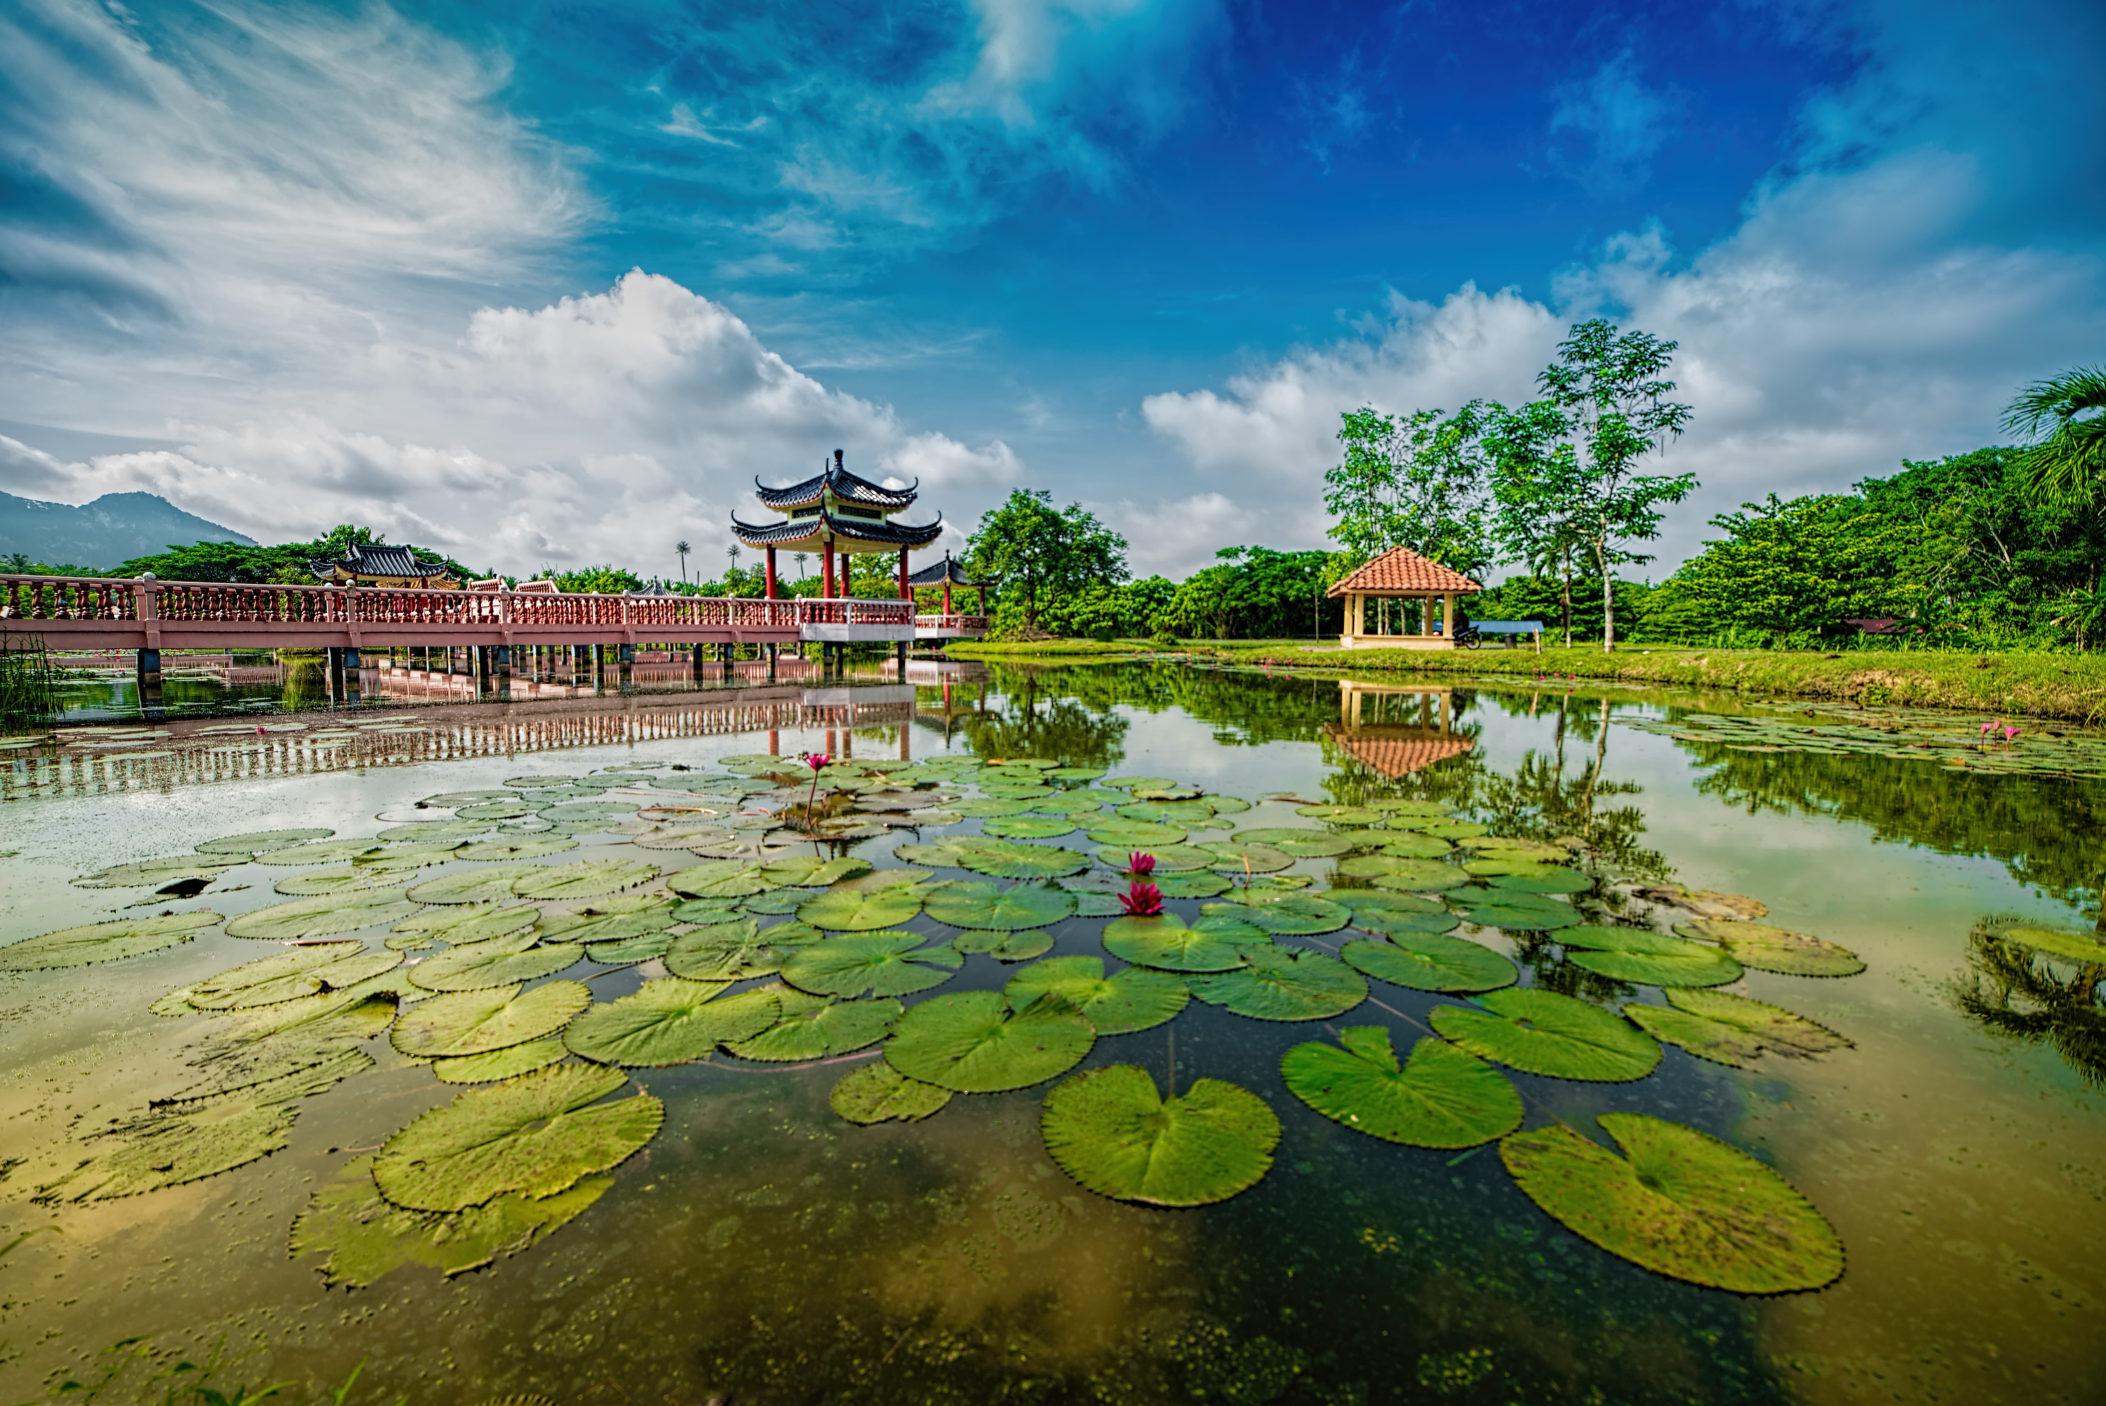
(1169, 859)
(2076, 946)
(477, 1022)
(809, 871)
(1442, 1097)
(1192, 885)
(323, 916)
(1541, 1032)
(1115, 1134)
(1647, 958)
(610, 919)
(1524, 912)
(847, 910)
(1027, 827)
(1130, 999)
(878, 1093)
(307, 970)
(537, 1135)
(1541, 878)
(1407, 846)
(1008, 859)
(478, 922)
(972, 1043)
(257, 841)
(320, 881)
(669, 1021)
(1210, 945)
(493, 851)
(1430, 962)
(103, 942)
(1136, 834)
(1732, 1029)
(1302, 842)
(1678, 1202)
(720, 878)
(971, 903)
(588, 879)
(507, 1063)
(735, 951)
(475, 885)
(1241, 857)
(871, 964)
(153, 873)
(1286, 914)
(1005, 946)
(431, 832)
(813, 1027)
(390, 859)
(497, 962)
(991, 809)
(1772, 949)
(1278, 983)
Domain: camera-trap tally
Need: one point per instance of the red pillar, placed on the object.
(906, 592)
(946, 593)
(826, 569)
(771, 573)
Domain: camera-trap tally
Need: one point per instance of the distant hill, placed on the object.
(105, 533)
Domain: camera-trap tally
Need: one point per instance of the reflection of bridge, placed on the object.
(1396, 731)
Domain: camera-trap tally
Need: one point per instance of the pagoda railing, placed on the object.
(850, 611)
(966, 624)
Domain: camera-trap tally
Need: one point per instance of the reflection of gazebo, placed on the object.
(1394, 730)
(948, 573)
(837, 511)
(1401, 574)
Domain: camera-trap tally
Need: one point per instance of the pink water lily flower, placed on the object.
(1140, 864)
(1988, 728)
(1143, 900)
(2010, 733)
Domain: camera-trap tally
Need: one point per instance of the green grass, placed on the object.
(989, 649)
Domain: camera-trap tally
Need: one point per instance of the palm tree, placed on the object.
(683, 549)
(2065, 417)
(804, 564)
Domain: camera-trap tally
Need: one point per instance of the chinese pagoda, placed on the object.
(837, 511)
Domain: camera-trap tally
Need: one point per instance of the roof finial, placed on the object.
(837, 458)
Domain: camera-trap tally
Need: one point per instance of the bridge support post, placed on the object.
(353, 678)
(504, 672)
(902, 653)
(771, 661)
(147, 670)
(333, 674)
(701, 656)
(627, 655)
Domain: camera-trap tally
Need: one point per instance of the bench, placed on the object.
(1506, 627)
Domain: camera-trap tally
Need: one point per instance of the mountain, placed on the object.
(107, 532)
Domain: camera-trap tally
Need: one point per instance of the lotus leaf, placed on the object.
(152, 873)
(735, 951)
(1412, 846)
(364, 1237)
(1525, 912)
(257, 841)
(475, 885)
(1005, 946)
(1384, 901)
(1544, 878)
(972, 903)
(1731, 1029)
(1169, 859)
(1067, 803)
(609, 919)
(1073, 773)
(496, 810)
(847, 910)
(1301, 842)
(537, 1134)
(992, 809)
(499, 850)
(1453, 829)
(878, 1093)
(497, 962)
(389, 859)
(103, 942)
(944, 854)
(777, 903)
(587, 812)
(477, 1022)
(1487, 847)
(720, 878)
(812, 1027)
(1130, 999)
(1027, 827)
(1341, 815)
(449, 799)
(972, 1043)
(1287, 914)
(2076, 946)
(871, 964)
(475, 923)
(1191, 886)
(1542, 1032)
(1007, 859)
(669, 1021)
(302, 971)
(694, 837)
(1136, 834)
(506, 1063)
(1136, 783)
(1772, 949)
(1021, 791)
(320, 881)
(174, 1146)
(1430, 962)
(431, 832)
(1647, 958)
(1442, 1097)
(807, 871)
(1402, 808)
(1195, 815)
(1114, 1133)
(1678, 1202)
(587, 879)
(1213, 944)
(1392, 921)
(323, 916)
(1278, 983)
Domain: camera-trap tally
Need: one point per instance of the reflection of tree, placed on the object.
(2047, 831)
(1247, 707)
(2013, 990)
(1038, 717)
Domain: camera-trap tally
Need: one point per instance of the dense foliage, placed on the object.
(285, 564)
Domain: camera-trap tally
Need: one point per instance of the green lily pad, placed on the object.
(972, 1043)
(1130, 999)
(475, 885)
(307, 970)
(449, 799)
(1489, 847)
(1539, 878)
(477, 922)
(1190, 815)
(507, 1063)
(588, 879)
(1136, 783)
(1442, 1097)
(669, 1021)
(693, 837)
(871, 964)
(495, 851)
(1191, 886)
(1285, 914)
(1429, 962)
(103, 942)
(1073, 773)
(477, 1022)
(1067, 803)
(1417, 875)
(498, 962)
(319, 852)
(610, 919)
(847, 910)
(1678, 1202)
(1542, 1032)
(1341, 815)
(1732, 1030)
(991, 809)
(720, 878)
(1004, 946)
(2076, 946)
(1413, 846)
(496, 810)
(1401, 807)
(1279, 983)
(431, 832)
(1240, 857)
(1169, 859)
(364, 1237)
(1524, 912)
(809, 871)
(170, 1147)
(1771, 949)
(153, 873)
(587, 813)
(878, 1093)
(1454, 829)
(537, 1135)
(1393, 921)
(776, 903)
(735, 951)
(814, 1027)
(1115, 1134)
(1647, 958)
(257, 841)
(713, 910)
(321, 881)
(1135, 834)
(1301, 842)
(1213, 944)
(1027, 827)
(323, 916)
(971, 903)
(390, 859)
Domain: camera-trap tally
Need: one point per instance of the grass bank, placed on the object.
(2067, 686)
(1066, 649)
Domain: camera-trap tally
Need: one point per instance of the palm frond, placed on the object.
(2065, 417)
(2046, 406)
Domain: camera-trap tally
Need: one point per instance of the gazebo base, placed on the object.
(1395, 642)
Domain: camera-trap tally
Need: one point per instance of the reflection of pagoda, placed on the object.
(837, 511)
(1395, 730)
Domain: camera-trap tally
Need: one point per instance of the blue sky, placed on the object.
(550, 283)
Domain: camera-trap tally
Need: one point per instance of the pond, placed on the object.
(660, 1201)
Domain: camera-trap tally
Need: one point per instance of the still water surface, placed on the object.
(762, 1250)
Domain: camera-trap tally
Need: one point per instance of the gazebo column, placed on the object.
(946, 593)
(826, 568)
(1425, 615)
(771, 573)
(906, 592)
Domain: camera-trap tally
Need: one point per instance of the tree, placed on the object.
(1418, 482)
(682, 548)
(2065, 416)
(804, 563)
(1571, 457)
(1047, 551)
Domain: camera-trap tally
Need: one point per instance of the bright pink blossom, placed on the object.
(1988, 728)
(1140, 864)
(1143, 900)
(2010, 733)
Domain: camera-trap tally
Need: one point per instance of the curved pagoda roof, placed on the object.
(938, 572)
(1400, 571)
(837, 508)
(846, 533)
(836, 483)
(372, 559)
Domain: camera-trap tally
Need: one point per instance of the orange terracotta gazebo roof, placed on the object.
(1400, 570)
(1396, 756)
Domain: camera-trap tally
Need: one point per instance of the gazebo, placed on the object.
(1401, 574)
(837, 511)
(948, 573)
(1395, 731)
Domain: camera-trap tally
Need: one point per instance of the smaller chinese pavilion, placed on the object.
(836, 512)
(948, 573)
(1403, 587)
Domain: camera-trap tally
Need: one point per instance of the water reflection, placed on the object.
(2018, 992)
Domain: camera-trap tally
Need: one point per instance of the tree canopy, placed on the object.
(1028, 543)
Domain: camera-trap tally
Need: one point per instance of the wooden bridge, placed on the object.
(90, 613)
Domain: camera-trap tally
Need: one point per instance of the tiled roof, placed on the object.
(1402, 569)
(380, 561)
(807, 529)
(1394, 755)
(937, 572)
(846, 487)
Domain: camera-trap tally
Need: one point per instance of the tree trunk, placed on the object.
(1565, 599)
(1608, 602)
